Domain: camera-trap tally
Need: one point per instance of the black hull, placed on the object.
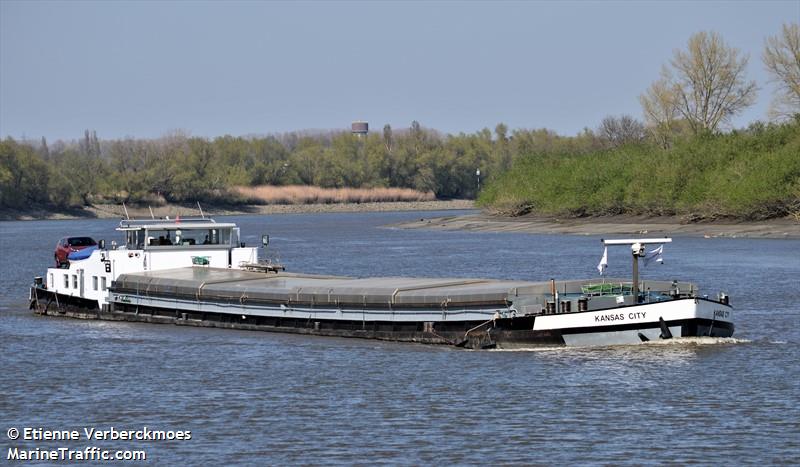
(501, 333)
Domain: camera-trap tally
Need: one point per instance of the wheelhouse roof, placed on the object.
(172, 224)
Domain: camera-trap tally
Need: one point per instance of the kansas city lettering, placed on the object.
(633, 315)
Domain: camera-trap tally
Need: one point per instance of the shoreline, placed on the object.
(114, 211)
(783, 228)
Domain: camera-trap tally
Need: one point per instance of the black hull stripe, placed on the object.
(635, 326)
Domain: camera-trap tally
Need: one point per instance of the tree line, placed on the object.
(697, 94)
(180, 168)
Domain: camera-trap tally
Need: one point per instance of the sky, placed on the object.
(145, 69)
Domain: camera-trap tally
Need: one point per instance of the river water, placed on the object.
(264, 398)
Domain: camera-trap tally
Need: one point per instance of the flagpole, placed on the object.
(601, 268)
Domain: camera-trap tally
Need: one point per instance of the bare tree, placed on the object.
(706, 84)
(388, 140)
(782, 59)
(617, 131)
(660, 112)
(90, 145)
(711, 86)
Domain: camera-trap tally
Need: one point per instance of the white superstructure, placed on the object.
(151, 245)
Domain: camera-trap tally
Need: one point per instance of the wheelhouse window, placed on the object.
(103, 285)
(134, 239)
(188, 237)
(66, 281)
(159, 237)
(74, 281)
(94, 282)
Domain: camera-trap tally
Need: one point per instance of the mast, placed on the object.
(637, 251)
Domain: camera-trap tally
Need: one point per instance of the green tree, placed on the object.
(502, 153)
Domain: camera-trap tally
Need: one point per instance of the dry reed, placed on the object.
(302, 194)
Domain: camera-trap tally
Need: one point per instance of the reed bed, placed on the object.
(302, 194)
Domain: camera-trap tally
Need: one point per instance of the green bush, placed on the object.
(752, 174)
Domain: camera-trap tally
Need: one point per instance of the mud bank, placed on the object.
(615, 225)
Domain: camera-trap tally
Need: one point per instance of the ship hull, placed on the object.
(634, 324)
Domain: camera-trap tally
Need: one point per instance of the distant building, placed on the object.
(359, 128)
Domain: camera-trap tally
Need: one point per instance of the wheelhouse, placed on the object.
(182, 234)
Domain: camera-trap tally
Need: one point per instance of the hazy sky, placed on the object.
(145, 68)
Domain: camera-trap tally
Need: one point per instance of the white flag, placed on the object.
(654, 255)
(603, 262)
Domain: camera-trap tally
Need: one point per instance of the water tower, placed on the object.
(359, 128)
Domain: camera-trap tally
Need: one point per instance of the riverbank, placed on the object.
(611, 225)
(113, 211)
(750, 174)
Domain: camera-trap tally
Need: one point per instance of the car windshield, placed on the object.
(81, 241)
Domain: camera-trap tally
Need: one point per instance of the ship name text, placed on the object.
(633, 315)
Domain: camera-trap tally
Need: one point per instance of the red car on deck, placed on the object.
(67, 245)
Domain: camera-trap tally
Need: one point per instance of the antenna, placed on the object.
(151, 213)
(126, 211)
(201, 210)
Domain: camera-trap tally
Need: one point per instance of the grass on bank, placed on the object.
(300, 194)
(751, 175)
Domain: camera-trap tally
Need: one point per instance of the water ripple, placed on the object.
(262, 398)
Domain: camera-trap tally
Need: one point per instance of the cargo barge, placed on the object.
(196, 272)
